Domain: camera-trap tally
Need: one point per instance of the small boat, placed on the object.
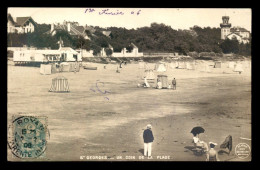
(89, 68)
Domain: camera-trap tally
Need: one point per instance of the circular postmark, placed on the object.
(28, 136)
(242, 150)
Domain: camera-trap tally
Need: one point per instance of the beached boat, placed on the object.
(89, 68)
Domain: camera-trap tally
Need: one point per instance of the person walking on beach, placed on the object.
(212, 154)
(174, 84)
(148, 140)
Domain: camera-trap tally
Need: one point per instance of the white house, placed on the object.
(73, 28)
(20, 24)
(241, 34)
(84, 53)
(103, 52)
(62, 54)
(238, 37)
(124, 52)
(10, 24)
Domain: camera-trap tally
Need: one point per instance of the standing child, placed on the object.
(212, 154)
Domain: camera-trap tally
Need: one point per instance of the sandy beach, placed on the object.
(86, 122)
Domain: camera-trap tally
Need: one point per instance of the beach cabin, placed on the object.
(182, 65)
(238, 68)
(217, 64)
(45, 69)
(231, 65)
(190, 66)
(164, 80)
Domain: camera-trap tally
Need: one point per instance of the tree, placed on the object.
(129, 48)
(80, 42)
(230, 46)
(108, 51)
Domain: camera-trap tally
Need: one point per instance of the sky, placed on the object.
(177, 18)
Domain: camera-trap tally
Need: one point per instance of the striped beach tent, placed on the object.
(59, 84)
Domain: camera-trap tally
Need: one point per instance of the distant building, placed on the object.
(63, 54)
(125, 53)
(191, 32)
(106, 33)
(241, 34)
(73, 28)
(90, 29)
(103, 52)
(20, 24)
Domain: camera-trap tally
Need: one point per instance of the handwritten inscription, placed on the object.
(111, 12)
(99, 90)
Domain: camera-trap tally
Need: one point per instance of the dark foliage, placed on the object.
(156, 38)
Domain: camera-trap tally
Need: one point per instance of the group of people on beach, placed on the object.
(211, 154)
(159, 84)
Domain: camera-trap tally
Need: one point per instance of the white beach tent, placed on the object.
(74, 65)
(231, 64)
(160, 67)
(217, 64)
(207, 69)
(65, 67)
(176, 64)
(45, 69)
(238, 68)
(204, 67)
(149, 75)
(247, 64)
(172, 65)
(190, 66)
(182, 65)
(141, 64)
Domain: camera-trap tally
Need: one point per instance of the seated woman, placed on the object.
(212, 154)
(200, 143)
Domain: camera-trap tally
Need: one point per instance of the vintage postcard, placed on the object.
(129, 84)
